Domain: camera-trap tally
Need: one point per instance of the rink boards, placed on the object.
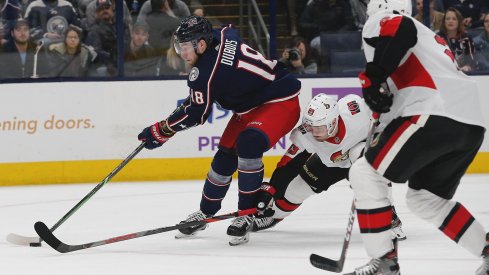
(80, 131)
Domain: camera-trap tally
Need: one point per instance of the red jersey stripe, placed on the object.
(412, 73)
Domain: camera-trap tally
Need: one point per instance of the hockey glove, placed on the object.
(376, 98)
(155, 135)
(265, 200)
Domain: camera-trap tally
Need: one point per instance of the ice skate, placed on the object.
(264, 223)
(484, 268)
(193, 230)
(239, 230)
(397, 229)
(386, 265)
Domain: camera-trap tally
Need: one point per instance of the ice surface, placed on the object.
(318, 226)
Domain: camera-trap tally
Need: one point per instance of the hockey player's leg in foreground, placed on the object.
(431, 185)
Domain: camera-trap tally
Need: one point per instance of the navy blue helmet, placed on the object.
(194, 28)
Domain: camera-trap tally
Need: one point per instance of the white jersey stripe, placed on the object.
(399, 143)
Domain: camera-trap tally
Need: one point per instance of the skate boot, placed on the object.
(264, 223)
(484, 268)
(397, 229)
(240, 229)
(385, 265)
(191, 231)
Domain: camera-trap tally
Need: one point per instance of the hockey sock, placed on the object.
(250, 177)
(217, 182)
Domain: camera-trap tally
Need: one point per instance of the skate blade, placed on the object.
(180, 235)
(239, 240)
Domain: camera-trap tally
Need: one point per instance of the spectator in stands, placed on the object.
(481, 43)
(299, 57)
(359, 12)
(71, 58)
(91, 15)
(178, 9)
(436, 17)
(459, 41)
(140, 59)
(162, 25)
(50, 18)
(470, 9)
(172, 64)
(18, 54)
(10, 11)
(102, 36)
(325, 16)
(198, 10)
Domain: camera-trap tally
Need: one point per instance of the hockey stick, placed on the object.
(337, 266)
(332, 265)
(36, 241)
(61, 247)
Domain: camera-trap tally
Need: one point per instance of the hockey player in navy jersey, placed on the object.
(263, 97)
(434, 128)
(331, 138)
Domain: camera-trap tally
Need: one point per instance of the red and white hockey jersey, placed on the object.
(427, 80)
(354, 123)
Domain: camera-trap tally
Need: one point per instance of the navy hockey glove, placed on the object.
(264, 200)
(155, 135)
(376, 98)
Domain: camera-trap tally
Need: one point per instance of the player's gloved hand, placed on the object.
(155, 135)
(264, 201)
(376, 98)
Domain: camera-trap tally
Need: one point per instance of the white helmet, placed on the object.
(402, 6)
(322, 111)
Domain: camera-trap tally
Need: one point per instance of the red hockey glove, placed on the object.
(376, 98)
(155, 135)
(265, 200)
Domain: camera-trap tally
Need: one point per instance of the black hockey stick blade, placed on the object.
(326, 264)
(48, 236)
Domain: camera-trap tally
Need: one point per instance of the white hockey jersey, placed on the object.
(354, 123)
(427, 80)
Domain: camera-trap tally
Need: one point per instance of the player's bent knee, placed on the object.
(426, 205)
(298, 191)
(360, 172)
(224, 162)
(252, 143)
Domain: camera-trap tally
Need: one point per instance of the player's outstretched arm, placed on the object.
(155, 135)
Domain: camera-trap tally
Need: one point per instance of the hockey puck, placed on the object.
(35, 244)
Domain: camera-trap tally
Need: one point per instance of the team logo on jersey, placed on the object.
(293, 150)
(338, 156)
(353, 107)
(194, 73)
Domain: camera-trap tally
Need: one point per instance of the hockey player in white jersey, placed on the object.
(433, 131)
(323, 149)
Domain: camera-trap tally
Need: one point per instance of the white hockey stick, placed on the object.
(36, 241)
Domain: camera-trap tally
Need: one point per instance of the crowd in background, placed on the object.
(78, 38)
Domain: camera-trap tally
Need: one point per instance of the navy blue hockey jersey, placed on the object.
(235, 76)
